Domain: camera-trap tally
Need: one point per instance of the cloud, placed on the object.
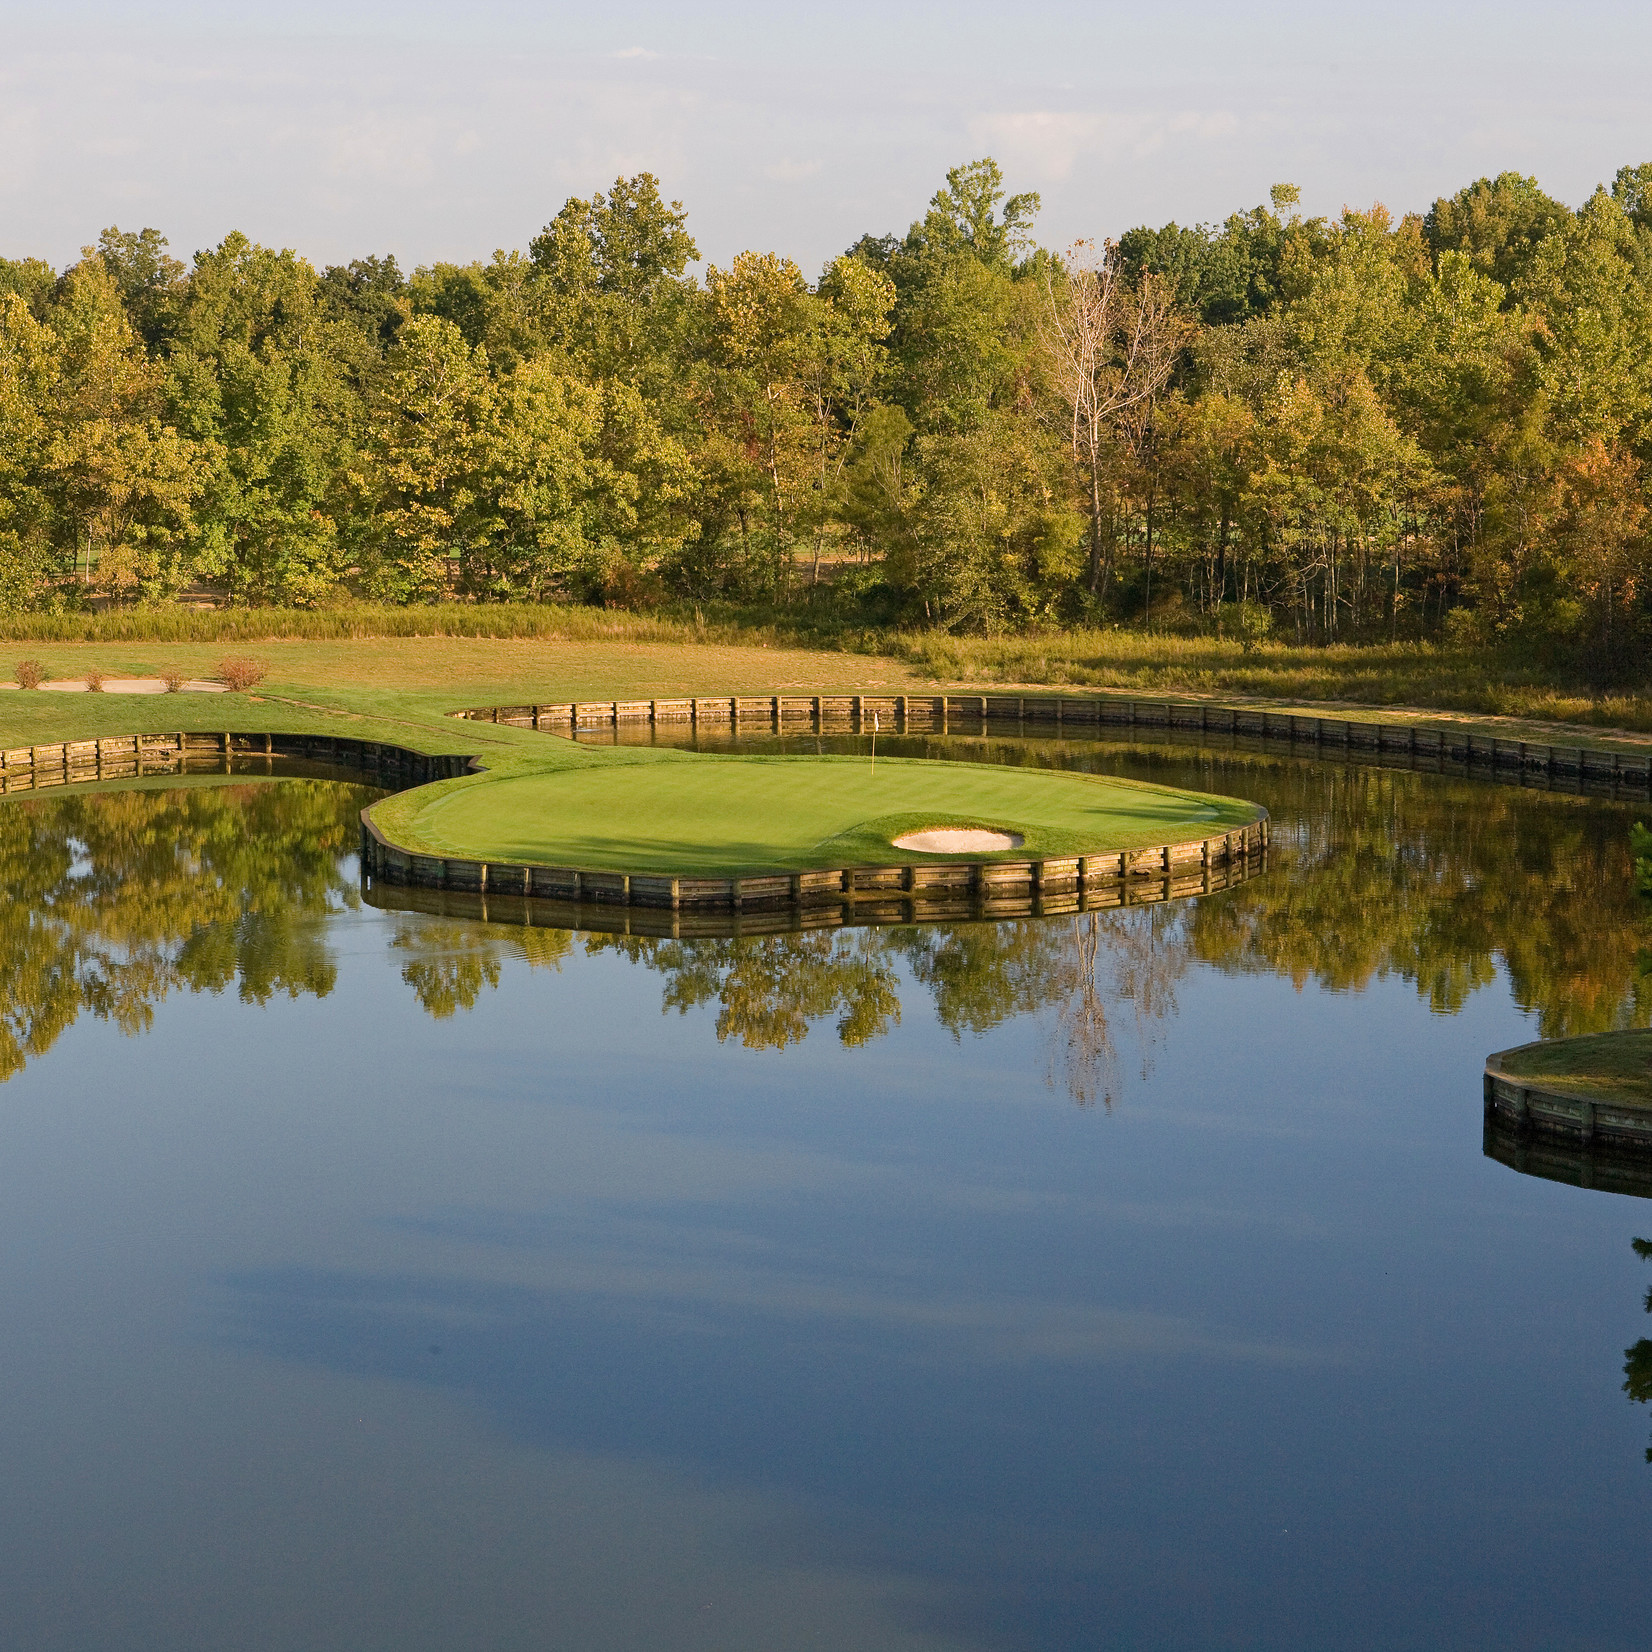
(638, 52)
(1048, 143)
(791, 172)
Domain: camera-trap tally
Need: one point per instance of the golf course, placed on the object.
(651, 810)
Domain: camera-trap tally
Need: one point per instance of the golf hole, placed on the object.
(958, 840)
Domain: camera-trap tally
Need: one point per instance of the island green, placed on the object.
(656, 811)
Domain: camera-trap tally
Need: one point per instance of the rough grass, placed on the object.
(1507, 682)
(402, 687)
(543, 622)
(1598, 1065)
(1487, 682)
(684, 813)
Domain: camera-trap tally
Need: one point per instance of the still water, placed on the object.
(379, 1281)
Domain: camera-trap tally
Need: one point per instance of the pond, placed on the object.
(377, 1279)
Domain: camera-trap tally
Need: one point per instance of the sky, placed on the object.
(435, 130)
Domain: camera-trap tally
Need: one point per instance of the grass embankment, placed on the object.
(340, 665)
(682, 813)
(1507, 681)
(404, 689)
(1613, 1066)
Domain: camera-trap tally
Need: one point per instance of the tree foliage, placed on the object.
(1361, 427)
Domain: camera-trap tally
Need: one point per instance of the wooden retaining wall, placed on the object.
(943, 713)
(981, 887)
(1528, 1106)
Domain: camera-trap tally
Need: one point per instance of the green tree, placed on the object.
(1496, 223)
(30, 370)
(616, 299)
(259, 369)
(124, 482)
(428, 440)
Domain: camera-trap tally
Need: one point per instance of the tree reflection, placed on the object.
(1439, 882)
(1637, 1361)
(450, 963)
(769, 989)
(116, 899)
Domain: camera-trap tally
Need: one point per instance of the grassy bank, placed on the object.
(1614, 1066)
(1509, 682)
(1483, 682)
(403, 687)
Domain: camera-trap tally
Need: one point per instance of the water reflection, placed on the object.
(117, 898)
(1606, 1167)
(1042, 1367)
(1637, 1361)
(1383, 871)
(1440, 882)
(769, 991)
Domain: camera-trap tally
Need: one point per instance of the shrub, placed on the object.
(174, 680)
(242, 673)
(30, 673)
(95, 679)
(1640, 847)
(1255, 622)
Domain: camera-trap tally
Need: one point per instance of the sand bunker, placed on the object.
(958, 840)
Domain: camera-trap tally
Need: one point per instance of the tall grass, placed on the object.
(544, 621)
(1511, 682)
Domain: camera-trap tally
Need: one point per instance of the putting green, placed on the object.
(725, 815)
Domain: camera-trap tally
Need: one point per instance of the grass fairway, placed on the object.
(683, 813)
(1614, 1066)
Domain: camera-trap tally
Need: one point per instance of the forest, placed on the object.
(1379, 427)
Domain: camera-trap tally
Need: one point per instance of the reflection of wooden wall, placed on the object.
(1530, 1106)
(1430, 743)
(497, 903)
(130, 756)
(1609, 1166)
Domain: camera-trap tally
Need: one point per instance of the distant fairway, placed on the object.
(739, 815)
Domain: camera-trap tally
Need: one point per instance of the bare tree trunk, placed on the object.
(1147, 610)
(1111, 350)
(1096, 559)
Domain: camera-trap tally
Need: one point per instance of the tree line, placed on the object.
(1334, 429)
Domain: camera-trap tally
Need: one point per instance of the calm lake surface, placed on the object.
(379, 1281)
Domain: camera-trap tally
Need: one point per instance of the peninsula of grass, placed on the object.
(1613, 1067)
(671, 813)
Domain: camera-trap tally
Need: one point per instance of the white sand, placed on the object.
(958, 840)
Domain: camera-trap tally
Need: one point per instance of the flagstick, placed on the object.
(874, 745)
